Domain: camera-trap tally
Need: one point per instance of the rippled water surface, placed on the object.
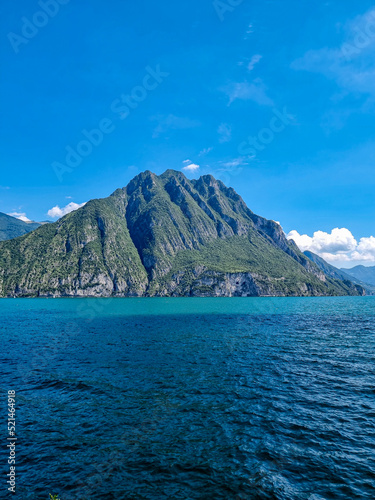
(192, 398)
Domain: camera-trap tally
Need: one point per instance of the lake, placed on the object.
(225, 398)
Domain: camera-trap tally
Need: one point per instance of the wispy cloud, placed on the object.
(351, 77)
(352, 64)
(172, 122)
(205, 151)
(337, 246)
(57, 212)
(234, 163)
(225, 132)
(254, 61)
(254, 91)
(249, 31)
(225, 170)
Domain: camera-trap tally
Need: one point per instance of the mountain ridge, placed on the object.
(362, 273)
(10, 227)
(162, 236)
(336, 273)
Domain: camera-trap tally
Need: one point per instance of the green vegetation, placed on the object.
(161, 235)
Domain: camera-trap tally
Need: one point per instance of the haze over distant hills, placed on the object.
(340, 274)
(362, 273)
(10, 227)
(163, 236)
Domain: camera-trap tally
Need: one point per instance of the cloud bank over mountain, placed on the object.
(337, 246)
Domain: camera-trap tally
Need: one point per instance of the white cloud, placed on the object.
(337, 246)
(191, 168)
(255, 91)
(253, 61)
(366, 249)
(20, 216)
(225, 132)
(340, 240)
(57, 212)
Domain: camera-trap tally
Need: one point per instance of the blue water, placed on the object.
(265, 398)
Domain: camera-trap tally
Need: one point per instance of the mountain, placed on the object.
(366, 274)
(10, 227)
(338, 274)
(162, 236)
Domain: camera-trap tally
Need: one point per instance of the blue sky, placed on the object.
(276, 98)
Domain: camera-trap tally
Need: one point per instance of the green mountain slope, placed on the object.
(338, 274)
(362, 273)
(162, 236)
(10, 227)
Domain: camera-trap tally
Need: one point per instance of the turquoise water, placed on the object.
(248, 398)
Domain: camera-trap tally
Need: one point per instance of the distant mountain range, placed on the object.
(10, 227)
(163, 236)
(341, 274)
(362, 273)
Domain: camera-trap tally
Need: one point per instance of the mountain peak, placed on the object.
(173, 173)
(161, 236)
(146, 178)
